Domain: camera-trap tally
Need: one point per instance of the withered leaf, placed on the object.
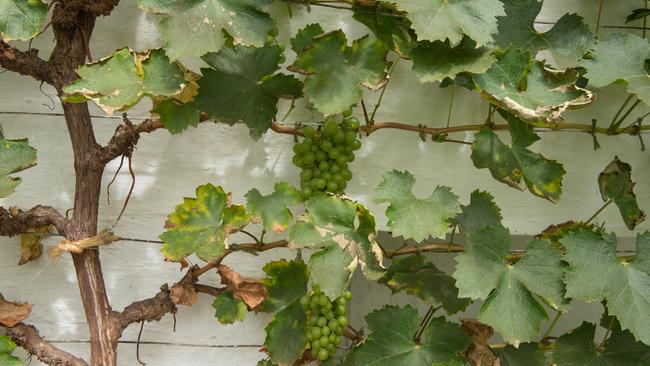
(478, 353)
(31, 247)
(183, 294)
(12, 313)
(249, 290)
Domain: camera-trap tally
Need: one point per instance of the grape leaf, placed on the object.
(331, 221)
(530, 91)
(305, 37)
(7, 347)
(568, 41)
(331, 268)
(177, 117)
(411, 217)
(637, 14)
(620, 56)
(15, 156)
(578, 348)
(515, 165)
(625, 283)
(201, 225)
(120, 80)
(510, 291)
(197, 27)
(272, 209)
(286, 334)
(435, 61)
(616, 184)
(335, 70)
(529, 354)
(228, 309)
(421, 278)
(395, 31)
(391, 340)
(443, 19)
(480, 213)
(242, 86)
(21, 19)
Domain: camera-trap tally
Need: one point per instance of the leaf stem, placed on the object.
(424, 323)
(552, 326)
(620, 110)
(609, 201)
(451, 105)
(607, 333)
(600, 12)
(622, 119)
(383, 90)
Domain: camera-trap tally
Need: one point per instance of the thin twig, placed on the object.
(128, 196)
(552, 326)
(137, 345)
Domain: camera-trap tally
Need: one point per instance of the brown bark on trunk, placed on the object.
(73, 29)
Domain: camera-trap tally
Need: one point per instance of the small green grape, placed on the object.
(331, 348)
(324, 166)
(325, 330)
(339, 137)
(323, 354)
(343, 321)
(341, 310)
(341, 301)
(327, 305)
(306, 174)
(337, 340)
(322, 300)
(356, 145)
(322, 321)
(315, 332)
(330, 129)
(354, 122)
(332, 337)
(347, 295)
(309, 131)
(347, 113)
(324, 341)
(326, 145)
(332, 186)
(320, 156)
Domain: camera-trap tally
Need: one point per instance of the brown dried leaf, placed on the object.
(12, 313)
(31, 247)
(182, 294)
(249, 290)
(478, 353)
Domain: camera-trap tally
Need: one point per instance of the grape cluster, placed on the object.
(327, 320)
(324, 155)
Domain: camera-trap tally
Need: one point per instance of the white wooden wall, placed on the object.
(170, 167)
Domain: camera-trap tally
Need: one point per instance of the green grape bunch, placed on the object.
(328, 319)
(324, 155)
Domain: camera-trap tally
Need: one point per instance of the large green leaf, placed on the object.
(7, 347)
(391, 340)
(202, 225)
(228, 309)
(616, 184)
(620, 56)
(346, 231)
(194, 28)
(120, 80)
(435, 20)
(336, 71)
(435, 61)
(529, 354)
(530, 91)
(286, 334)
(411, 217)
(480, 213)
(177, 117)
(21, 19)
(512, 292)
(624, 283)
(419, 277)
(395, 31)
(242, 86)
(515, 165)
(305, 37)
(273, 209)
(577, 348)
(15, 156)
(568, 41)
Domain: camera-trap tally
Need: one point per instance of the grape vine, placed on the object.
(316, 83)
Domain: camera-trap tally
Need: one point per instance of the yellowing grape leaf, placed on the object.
(529, 90)
(197, 27)
(120, 80)
(202, 225)
(228, 309)
(516, 165)
(21, 19)
(616, 184)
